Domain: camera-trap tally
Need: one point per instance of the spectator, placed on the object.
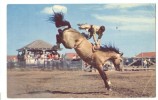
(127, 62)
(145, 63)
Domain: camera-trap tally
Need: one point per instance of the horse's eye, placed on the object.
(120, 60)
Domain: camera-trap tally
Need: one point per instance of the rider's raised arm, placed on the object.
(84, 26)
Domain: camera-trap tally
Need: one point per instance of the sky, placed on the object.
(129, 27)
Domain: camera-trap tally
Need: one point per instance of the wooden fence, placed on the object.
(137, 69)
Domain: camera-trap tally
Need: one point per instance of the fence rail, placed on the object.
(137, 69)
(69, 65)
(53, 64)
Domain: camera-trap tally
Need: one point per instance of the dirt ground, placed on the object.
(79, 84)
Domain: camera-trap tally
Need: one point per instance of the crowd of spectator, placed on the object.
(37, 58)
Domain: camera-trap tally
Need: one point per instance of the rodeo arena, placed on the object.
(93, 71)
(38, 70)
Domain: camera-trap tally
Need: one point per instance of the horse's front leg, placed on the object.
(104, 77)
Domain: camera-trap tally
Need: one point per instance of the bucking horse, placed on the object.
(73, 39)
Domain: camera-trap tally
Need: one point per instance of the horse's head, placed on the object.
(117, 59)
(114, 55)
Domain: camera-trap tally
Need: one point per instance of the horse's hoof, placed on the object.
(109, 89)
(109, 82)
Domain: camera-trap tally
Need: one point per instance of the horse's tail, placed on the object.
(57, 17)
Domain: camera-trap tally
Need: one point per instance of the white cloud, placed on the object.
(59, 8)
(123, 6)
(125, 19)
(140, 19)
(56, 8)
(47, 10)
(138, 28)
(131, 23)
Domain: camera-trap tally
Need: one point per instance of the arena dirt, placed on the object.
(79, 84)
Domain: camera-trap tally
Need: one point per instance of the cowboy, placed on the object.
(92, 31)
(61, 24)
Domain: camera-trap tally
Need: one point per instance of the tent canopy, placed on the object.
(37, 45)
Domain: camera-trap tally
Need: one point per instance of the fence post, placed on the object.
(122, 64)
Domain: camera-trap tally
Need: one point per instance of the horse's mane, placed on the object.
(107, 48)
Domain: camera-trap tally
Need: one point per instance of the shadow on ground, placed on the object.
(64, 92)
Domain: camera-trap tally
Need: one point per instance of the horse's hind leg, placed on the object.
(104, 77)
